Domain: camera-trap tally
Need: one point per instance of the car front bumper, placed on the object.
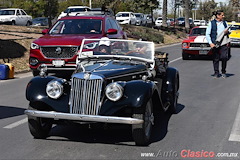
(85, 118)
(197, 51)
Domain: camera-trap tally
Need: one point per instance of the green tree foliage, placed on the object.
(206, 9)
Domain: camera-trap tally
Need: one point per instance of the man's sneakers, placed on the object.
(224, 75)
(216, 75)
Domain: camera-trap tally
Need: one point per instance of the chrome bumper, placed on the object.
(79, 117)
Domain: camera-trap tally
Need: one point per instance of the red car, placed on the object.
(196, 43)
(60, 44)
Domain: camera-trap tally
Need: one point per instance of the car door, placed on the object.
(24, 17)
(18, 18)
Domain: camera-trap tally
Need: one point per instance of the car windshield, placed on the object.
(7, 12)
(117, 48)
(198, 32)
(138, 15)
(122, 15)
(235, 27)
(77, 26)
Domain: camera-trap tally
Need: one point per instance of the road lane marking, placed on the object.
(15, 124)
(235, 133)
(175, 60)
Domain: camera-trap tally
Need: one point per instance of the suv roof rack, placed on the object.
(96, 11)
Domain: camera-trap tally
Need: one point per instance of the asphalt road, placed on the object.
(207, 124)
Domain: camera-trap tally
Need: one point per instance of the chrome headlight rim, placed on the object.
(34, 46)
(54, 89)
(184, 45)
(114, 91)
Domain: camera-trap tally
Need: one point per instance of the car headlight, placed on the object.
(34, 46)
(114, 91)
(184, 45)
(54, 89)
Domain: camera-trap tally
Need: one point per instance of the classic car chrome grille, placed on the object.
(201, 45)
(59, 52)
(85, 96)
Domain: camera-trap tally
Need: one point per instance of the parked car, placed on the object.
(15, 16)
(40, 21)
(235, 33)
(203, 23)
(126, 18)
(158, 22)
(197, 22)
(150, 20)
(124, 86)
(170, 21)
(59, 45)
(181, 21)
(73, 10)
(140, 19)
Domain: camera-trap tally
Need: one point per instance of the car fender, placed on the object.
(136, 94)
(36, 93)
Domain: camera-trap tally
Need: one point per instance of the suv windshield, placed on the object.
(7, 12)
(118, 48)
(77, 26)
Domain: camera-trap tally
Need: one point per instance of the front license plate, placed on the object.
(203, 52)
(58, 63)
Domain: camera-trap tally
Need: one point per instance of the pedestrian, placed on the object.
(218, 29)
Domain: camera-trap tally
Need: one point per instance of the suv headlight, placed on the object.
(34, 46)
(54, 89)
(114, 91)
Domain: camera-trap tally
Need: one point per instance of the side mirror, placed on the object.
(112, 31)
(45, 31)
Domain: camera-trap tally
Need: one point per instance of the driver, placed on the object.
(104, 45)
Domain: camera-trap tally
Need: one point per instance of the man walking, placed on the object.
(218, 29)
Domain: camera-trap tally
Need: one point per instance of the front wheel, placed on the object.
(174, 95)
(39, 127)
(185, 56)
(142, 132)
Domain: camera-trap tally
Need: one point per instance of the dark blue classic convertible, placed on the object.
(116, 81)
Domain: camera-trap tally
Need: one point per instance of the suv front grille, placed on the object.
(59, 52)
(85, 96)
(201, 45)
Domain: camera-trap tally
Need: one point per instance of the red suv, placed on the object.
(60, 44)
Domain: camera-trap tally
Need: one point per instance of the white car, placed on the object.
(158, 22)
(73, 10)
(196, 22)
(126, 18)
(15, 16)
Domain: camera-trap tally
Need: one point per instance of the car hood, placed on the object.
(63, 39)
(196, 39)
(235, 34)
(113, 69)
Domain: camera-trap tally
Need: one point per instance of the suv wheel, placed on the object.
(141, 132)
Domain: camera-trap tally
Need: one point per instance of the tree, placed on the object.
(186, 4)
(164, 13)
(51, 10)
(206, 9)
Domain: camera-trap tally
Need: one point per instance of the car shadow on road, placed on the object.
(7, 111)
(161, 124)
(108, 133)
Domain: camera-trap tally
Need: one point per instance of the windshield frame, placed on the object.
(126, 57)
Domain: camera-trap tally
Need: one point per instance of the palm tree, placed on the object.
(164, 13)
(187, 13)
